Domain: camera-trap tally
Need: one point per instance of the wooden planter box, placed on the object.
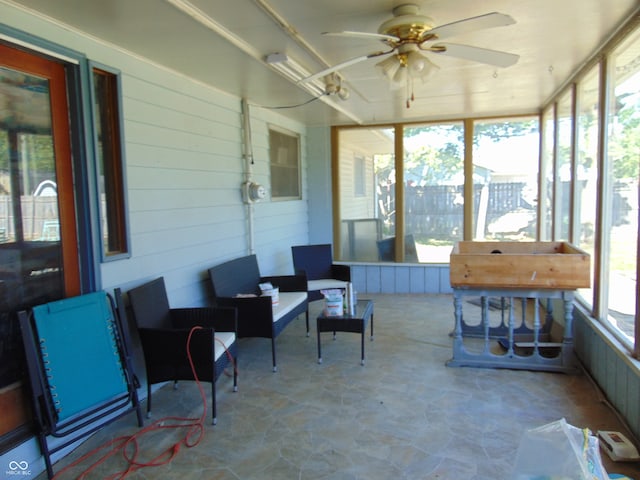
(552, 265)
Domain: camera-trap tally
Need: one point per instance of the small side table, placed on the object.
(356, 323)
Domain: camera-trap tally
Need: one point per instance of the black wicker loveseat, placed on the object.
(236, 284)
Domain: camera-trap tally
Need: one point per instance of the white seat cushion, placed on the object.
(288, 301)
(223, 341)
(325, 284)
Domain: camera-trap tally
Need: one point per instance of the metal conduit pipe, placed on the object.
(247, 154)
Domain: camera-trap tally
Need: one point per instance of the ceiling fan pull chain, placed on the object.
(410, 96)
(407, 91)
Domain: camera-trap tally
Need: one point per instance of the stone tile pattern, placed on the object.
(404, 415)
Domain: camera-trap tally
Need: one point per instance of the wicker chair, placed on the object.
(164, 332)
(236, 284)
(316, 262)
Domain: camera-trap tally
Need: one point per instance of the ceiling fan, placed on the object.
(409, 35)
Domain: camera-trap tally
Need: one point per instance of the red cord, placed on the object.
(128, 445)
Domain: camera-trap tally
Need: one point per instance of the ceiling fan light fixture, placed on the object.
(416, 62)
(389, 66)
(427, 69)
(400, 78)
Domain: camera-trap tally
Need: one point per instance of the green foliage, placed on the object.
(40, 151)
(624, 145)
(440, 164)
(4, 151)
(499, 130)
(384, 166)
(432, 164)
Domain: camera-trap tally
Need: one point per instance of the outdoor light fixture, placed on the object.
(295, 72)
(333, 86)
(290, 70)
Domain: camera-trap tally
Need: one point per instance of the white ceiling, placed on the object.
(226, 48)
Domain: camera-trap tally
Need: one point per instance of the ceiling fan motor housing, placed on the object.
(407, 24)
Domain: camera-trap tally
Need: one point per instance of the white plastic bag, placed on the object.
(268, 290)
(333, 302)
(559, 451)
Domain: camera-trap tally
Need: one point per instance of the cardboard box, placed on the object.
(539, 265)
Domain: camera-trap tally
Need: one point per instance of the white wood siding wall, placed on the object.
(185, 168)
(353, 207)
(319, 190)
(184, 165)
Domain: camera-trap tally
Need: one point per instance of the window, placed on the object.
(429, 187)
(592, 189)
(620, 202)
(586, 175)
(505, 179)
(563, 171)
(109, 154)
(434, 190)
(365, 219)
(284, 156)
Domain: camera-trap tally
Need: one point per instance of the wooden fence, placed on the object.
(39, 218)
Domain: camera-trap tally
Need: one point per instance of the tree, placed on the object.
(508, 128)
(624, 145)
(431, 163)
(434, 166)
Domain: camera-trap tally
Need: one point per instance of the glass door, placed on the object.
(38, 238)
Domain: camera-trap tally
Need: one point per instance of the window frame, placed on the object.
(275, 196)
(118, 165)
(565, 124)
(610, 106)
(546, 175)
(581, 147)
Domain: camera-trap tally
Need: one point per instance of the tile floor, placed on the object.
(403, 415)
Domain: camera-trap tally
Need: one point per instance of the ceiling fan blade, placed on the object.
(488, 20)
(476, 54)
(342, 65)
(373, 36)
